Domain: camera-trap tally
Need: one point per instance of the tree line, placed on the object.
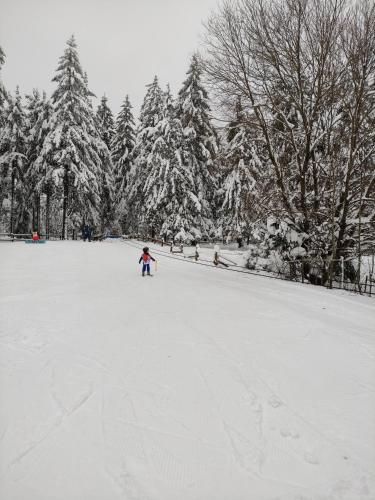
(292, 168)
(89, 168)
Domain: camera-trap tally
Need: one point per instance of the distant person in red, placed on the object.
(145, 259)
(35, 236)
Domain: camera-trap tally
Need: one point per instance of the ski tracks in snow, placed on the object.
(270, 430)
(147, 390)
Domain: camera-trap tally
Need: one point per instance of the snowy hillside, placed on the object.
(196, 384)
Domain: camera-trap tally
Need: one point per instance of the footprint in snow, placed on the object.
(289, 433)
(311, 458)
(275, 402)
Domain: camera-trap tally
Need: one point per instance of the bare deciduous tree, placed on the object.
(304, 70)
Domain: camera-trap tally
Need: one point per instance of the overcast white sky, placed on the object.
(122, 43)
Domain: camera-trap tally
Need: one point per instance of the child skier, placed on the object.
(145, 259)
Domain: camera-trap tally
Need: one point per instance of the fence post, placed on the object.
(216, 254)
(342, 271)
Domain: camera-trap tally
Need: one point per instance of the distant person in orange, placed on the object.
(35, 236)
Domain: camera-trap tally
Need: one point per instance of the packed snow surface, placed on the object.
(196, 384)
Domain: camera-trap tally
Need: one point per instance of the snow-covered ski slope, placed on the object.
(198, 384)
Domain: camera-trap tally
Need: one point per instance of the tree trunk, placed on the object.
(12, 203)
(38, 213)
(65, 202)
(48, 203)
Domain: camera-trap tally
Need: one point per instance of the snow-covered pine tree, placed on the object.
(122, 158)
(13, 159)
(201, 141)
(33, 109)
(105, 125)
(157, 164)
(40, 173)
(172, 209)
(73, 146)
(105, 122)
(2, 121)
(242, 171)
(107, 193)
(150, 116)
(3, 93)
(176, 198)
(152, 106)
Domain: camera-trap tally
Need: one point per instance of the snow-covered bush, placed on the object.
(283, 237)
(279, 245)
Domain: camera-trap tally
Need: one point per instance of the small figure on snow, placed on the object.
(145, 259)
(86, 233)
(35, 236)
